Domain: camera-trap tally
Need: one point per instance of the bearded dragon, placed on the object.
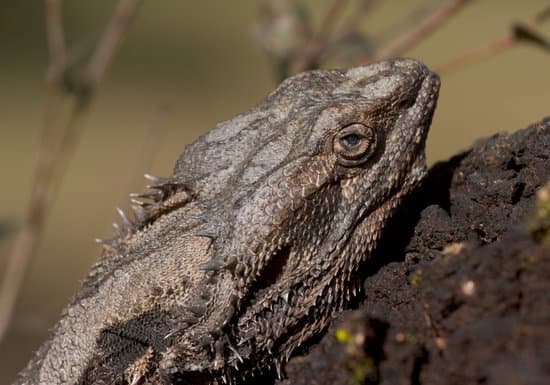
(246, 252)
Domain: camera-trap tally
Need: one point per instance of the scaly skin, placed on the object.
(255, 241)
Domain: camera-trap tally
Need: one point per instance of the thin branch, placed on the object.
(357, 16)
(496, 46)
(421, 30)
(112, 36)
(26, 238)
(313, 50)
(522, 31)
(55, 39)
(53, 160)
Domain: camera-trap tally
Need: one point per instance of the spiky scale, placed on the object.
(153, 195)
(139, 213)
(126, 222)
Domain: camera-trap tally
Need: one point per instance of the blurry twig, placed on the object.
(56, 41)
(355, 46)
(314, 49)
(420, 31)
(26, 238)
(320, 47)
(356, 17)
(55, 155)
(110, 40)
(521, 31)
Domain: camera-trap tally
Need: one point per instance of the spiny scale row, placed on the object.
(144, 212)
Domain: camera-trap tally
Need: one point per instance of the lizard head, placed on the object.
(299, 188)
(313, 160)
(356, 136)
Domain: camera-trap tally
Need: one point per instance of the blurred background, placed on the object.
(185, 66)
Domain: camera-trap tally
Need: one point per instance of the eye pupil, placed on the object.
(350, 140)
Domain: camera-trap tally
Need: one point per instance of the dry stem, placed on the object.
(55, 155)
(525, 30)
(421, 30)
(315, 47)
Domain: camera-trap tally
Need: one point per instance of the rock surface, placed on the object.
(460, 293)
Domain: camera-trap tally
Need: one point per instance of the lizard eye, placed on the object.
(354, 143)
